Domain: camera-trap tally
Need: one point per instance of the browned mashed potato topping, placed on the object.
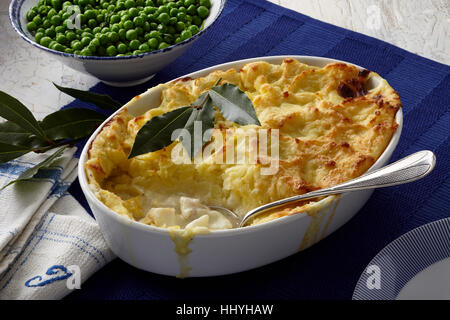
(333, 125)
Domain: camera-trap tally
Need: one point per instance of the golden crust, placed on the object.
(331, 129)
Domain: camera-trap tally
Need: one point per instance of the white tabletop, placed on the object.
(420, 26)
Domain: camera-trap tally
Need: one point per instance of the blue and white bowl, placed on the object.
(116, 71)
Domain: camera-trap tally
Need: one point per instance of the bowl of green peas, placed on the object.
(121, 42)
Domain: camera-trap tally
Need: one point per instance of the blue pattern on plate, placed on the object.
(404, 258)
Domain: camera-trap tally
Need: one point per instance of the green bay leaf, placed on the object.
(31, 172)
(204, 116)
(13, 110)
(157, 132)
(234, 104)
(102, 101)
(72, 123)
(9, 151)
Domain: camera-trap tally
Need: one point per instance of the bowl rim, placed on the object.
(14, 15)
(226, 232)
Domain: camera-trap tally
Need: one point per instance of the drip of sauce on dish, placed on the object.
(317, 213)
(330, 218)
(182, 238)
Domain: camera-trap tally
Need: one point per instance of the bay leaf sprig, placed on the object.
(22, 133)
(30, 173)
(232, 102)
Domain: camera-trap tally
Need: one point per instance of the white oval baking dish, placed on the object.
(224, 251)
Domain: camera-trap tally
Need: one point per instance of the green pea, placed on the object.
(122, 34)
(149, 3)
(138, 21)
(144, 47)
(130, 4)
(92, 23)
(70, 35)
(133, 12)
(162, 9)
(153, 43)
(60, 29)
(205, 3)
(136, 52)
(180, 26)
(40, 30)
(122, 47)
(139, 31)
(37, 21)
(31, 14)
(60, 38)
(192, 10)
(187, 3)
(68, 50)
(86, 52)
(128, 25)
(149, 10)
(111, 8)
(111, 51)
(162, 28)
(186, 34)
(31, 26)
(95, 42)
(178, 40)
(55, 20)
(181, 16)
(105, 30)
(52, 12)
(134, 44)
(91, 48)
(58, 47)
(45, 41)
(115, 27)
(85, 41)
(90, 14)
(173, 12)
(163, 45)
(173, 21)
(197, 20)
(46, 23)
(38, 36)
(103, 39)
(114, 19)
(193, 29)
(101, 18)
(50, 32)
(97, 30)
(147, 26)
(168, 38)
(113, 36)
(87, 34)
(131, 34)
(120, 5)
(182, 10)
(163, 18)
(203, 11)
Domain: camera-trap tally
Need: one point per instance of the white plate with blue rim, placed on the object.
(415, 266)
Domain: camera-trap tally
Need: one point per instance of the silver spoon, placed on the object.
(408, 169)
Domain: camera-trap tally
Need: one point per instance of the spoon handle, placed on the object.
(408, 169)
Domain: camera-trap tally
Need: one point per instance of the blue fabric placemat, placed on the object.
(330, 269)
